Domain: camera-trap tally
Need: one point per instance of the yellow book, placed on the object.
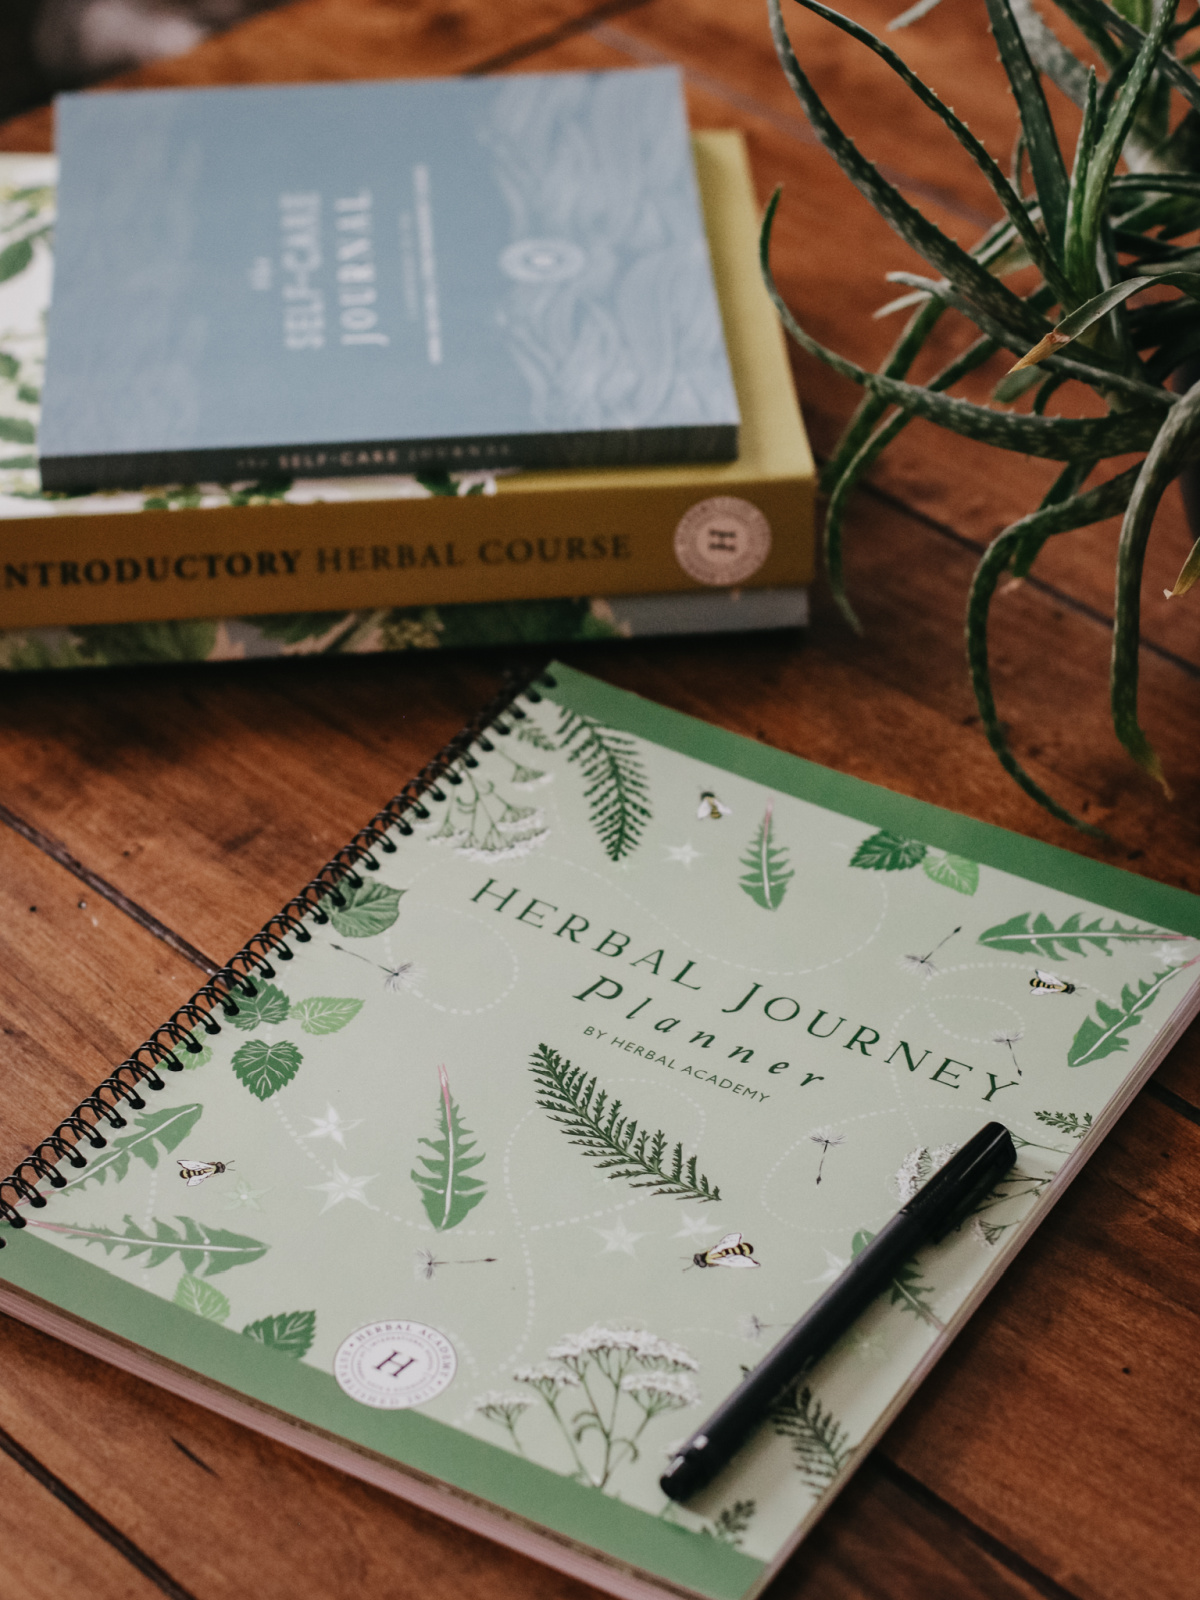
(371, 542)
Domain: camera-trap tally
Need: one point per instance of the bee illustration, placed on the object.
(710, 808)
(731, 1251)
(1049, 983)
(194, 1172)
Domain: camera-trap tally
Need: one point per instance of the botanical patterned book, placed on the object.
(485, 1170)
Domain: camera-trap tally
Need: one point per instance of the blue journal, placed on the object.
(379, 277)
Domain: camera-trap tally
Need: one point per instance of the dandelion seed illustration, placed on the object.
(752, 1328)
(826, 1138)
(425, 1263)
(395, 979)
(924, 964)
(1010, 1038)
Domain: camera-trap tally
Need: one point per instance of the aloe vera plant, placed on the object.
(1097, 237)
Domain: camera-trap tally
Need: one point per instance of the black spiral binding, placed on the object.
(254, 959)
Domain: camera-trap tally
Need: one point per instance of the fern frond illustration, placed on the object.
(447, 1192)
(196, 1244)
(593, 1121)
(767, 872)
(906, 1289)
(1104, 1034)
(153, 1129)
(821, 1445)
(617, 793)
(1068, 1122)
(731, 1522)
(1032, 933)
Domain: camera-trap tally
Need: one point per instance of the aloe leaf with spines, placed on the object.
(1096, 248)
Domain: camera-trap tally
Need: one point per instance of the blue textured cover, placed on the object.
(374, 276)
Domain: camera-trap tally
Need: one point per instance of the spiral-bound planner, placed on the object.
(487, 1166)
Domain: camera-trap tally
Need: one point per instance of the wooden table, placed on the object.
(154, 819)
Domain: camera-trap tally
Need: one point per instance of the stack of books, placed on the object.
(441, 363)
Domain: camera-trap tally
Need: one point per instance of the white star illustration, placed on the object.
(695, 1228)
(244, 1195)
(834, 1267)
(330, 1126)
(685, 854)
(342, 1187)
(618, 1238)
(1170, 954)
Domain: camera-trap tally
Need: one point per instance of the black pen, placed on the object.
(932, 1212)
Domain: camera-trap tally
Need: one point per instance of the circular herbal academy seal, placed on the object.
(722, 541)
(395, 1364)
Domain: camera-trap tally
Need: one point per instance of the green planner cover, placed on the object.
(486, 1169)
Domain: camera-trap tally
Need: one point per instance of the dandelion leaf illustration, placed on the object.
(767, 872)
(1032, 933)
(617, 792)
(269, 1005)
(371, 908)
(153, 1131)
(907, 1290)
(1104, 1034)
(954, 872)
(291, 1333)
(888, 852)
(197, 1245)
(820, 1444)
(193, 1294)
(593, 1121)
(266, 1068)
(324, 1014)
(1068, 1122)
(448, 1192)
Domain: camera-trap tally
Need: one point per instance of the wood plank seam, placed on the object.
(1081, 608)
(111, 1535)
(546, 41)
(1017, 1564)
(1174, 1102)
(796, 127)
(59, 852)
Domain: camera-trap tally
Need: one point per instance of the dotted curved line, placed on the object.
(723, 961)
(531, 1289)
(473, 1011)
(979, 999)
(299, 1141)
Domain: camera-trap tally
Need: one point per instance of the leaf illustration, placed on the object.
(767, 872)
(291, 1333)
(197, 1245)
(617, 792)
(1068, 1122)
(167, 1128)
(731, 1522)
(269, 1005)
(1034, 934)
(907, 1290)
(611, 1140)
(189, 1060)
(266, 1068)
(15, 259)
(193, 1294)
(1104, 1034)
(369, 909)
(820, 1444)
(888, 852)
(15, 430)
(956, 872)
(322, 1014)
(446, 1190)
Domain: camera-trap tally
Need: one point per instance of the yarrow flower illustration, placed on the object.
(480, 823)
(617, 1371)
(505, 1409)
(919, 1166)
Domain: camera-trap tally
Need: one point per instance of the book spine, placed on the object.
(255, 960)
(610, 447)
(518, 544)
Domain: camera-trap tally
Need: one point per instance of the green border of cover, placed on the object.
(1110, 887)
(495, 1476)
